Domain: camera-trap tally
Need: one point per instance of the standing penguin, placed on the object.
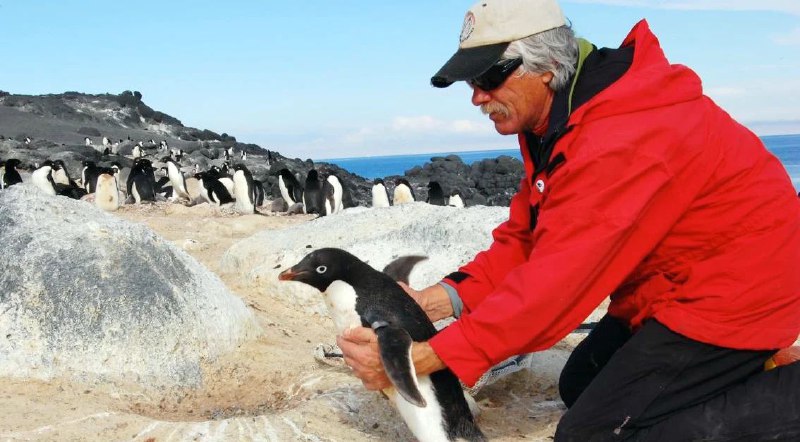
(176, 178)
(42, 178)
(313, 194)
(403, 193)
(291, 190)
(338, 193)
(244, 190)
(11, 175)
(89, 175)
(259, 189)
(106, 195)
(433, 407)
(60, 173)
(455, 199)
(435, 194)
(142, 181)
(380, 196)
(213, 191)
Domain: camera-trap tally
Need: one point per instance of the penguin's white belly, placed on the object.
(426, 423)
(402, 195)
(340, 297)
(379, 198)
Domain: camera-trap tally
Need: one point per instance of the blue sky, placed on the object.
(323, 79)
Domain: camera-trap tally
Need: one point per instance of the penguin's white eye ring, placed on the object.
(322, 269)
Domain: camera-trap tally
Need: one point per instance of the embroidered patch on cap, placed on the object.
(469, 26)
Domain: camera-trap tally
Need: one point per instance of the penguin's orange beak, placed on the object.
(289, 275)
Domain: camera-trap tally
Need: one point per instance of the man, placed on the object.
(639, 187)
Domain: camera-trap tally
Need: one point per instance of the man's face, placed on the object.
(521, 103)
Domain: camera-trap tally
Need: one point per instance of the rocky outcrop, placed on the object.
(85, 295)
(489, 182)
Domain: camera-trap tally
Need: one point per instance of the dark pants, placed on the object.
(657, 385)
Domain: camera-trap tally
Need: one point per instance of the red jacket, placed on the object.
(663, 202)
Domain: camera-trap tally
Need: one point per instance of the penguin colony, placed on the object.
(103, 185)
(434, 407)
(150, 179)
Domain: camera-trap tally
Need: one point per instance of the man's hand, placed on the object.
(433, 300)
(360, 349)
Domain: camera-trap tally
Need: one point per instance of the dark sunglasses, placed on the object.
(496, 75)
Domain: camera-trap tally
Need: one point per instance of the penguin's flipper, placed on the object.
(395, 349)
(400, 268)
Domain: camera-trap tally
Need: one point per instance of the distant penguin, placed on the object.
(176, 178)
(89, 175)
(163, 145)
(11, 175)
(87, 141)
(106, 142)
(434, 406)
(213, 191)
(380, 196)
(403, 193)
(106, 196)
(244, 189)
(142, 181)
(455, 199)
(291, 190)
(244, 155)
(63, 183)
(2, 174)
(137, 151)
(60, 173)
(313, 194)
(259, 189)
(163, 186)
(338, 193)
(269, 158)
(42, 179)
(435, 194)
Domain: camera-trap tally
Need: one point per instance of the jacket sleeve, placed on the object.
(595, 226)
(510, 248)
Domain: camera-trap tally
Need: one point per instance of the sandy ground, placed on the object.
(270, 389)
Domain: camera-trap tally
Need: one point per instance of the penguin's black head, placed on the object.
(321, 267)
(378, 181)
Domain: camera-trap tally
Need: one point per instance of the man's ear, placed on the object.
(547, 77)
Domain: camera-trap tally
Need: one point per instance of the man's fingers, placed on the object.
(360, 335)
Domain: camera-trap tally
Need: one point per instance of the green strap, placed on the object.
(584, 49)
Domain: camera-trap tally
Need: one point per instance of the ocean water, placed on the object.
(785, 147)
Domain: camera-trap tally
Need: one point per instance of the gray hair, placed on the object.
(555, 50)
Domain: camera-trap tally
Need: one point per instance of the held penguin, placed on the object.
(433, 407)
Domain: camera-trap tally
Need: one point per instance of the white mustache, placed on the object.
(491, 107)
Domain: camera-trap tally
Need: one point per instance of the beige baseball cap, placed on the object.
(489, 27)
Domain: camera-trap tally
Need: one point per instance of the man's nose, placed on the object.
(480, 96)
